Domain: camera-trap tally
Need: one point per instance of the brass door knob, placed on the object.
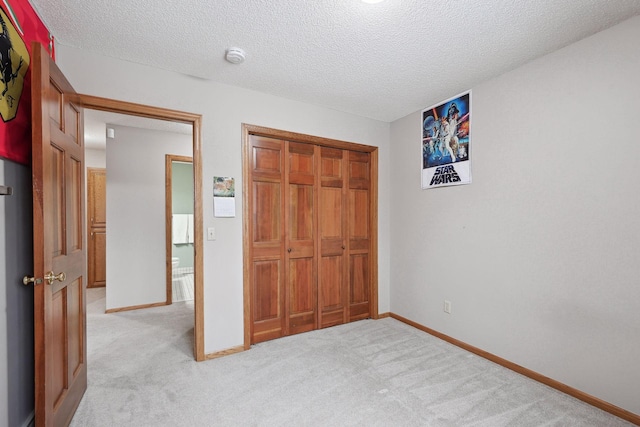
(52, 277)
(30, 279)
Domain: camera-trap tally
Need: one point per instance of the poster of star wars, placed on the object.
(446, 143)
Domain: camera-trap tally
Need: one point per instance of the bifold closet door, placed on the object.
(310, 234)
(359, 235)
(300, 224)
(267, 238)
(332, 272)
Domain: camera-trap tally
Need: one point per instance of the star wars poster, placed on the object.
(19, 26)
(446, 143)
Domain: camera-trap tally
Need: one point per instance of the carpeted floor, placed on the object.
(367, 373)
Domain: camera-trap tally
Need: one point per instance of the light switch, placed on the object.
(447, 307)
(211, 233)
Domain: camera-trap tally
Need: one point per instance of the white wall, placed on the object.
(539, 255)
(136, 245)
(94, 158)
(224, 108)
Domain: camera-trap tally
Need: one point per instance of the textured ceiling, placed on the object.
(381, 61)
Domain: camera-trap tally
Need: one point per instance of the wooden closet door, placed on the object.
(309, 234)
(359, 235)
(266, 233)
(300, 220)
(97, 220)
(97, 189)
(332, 270)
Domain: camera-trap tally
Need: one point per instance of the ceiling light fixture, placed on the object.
(235, 55)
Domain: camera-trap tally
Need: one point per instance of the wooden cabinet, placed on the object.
(309, 257)
(97, 224)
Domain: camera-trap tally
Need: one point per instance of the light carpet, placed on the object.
(366, 373)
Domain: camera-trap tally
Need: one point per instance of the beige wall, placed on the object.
(136, 245)
(539, 255)
(95, 158)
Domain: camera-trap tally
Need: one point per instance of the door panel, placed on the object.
(301, 295)
(331, 280)
(266, 274)
(267, 221)
(359, 170)
(74, 204)
(267, 315)
(74, 322)
(267, 157)
(359, 236)
(72, 119)
(332, 211)
(97, 191)
(301, 212)
(332, 292)
(300, 221)
(58, 351)
(57, 207)
(333, 239)
(359, 214)
(97, 258)
(266, 278)
(267, 239)
(359, 292)
(59, 303)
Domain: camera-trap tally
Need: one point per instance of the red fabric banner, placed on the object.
(19, 26)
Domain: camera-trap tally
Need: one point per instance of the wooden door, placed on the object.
(332, 271)
(59, 254)
(310, 241)
(97, 220)
(300, 224)
(266, 234)
(359, 245)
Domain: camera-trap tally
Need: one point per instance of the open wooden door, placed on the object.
(59, 244)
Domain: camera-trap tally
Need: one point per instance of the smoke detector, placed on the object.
(235, 55)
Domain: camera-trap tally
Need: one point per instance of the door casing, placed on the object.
(168, 213)
(195, 120)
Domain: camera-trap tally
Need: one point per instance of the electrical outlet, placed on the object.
(211, 233)
(447, 307)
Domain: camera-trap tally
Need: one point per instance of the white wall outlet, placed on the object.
(447, 307)
(211, 233)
